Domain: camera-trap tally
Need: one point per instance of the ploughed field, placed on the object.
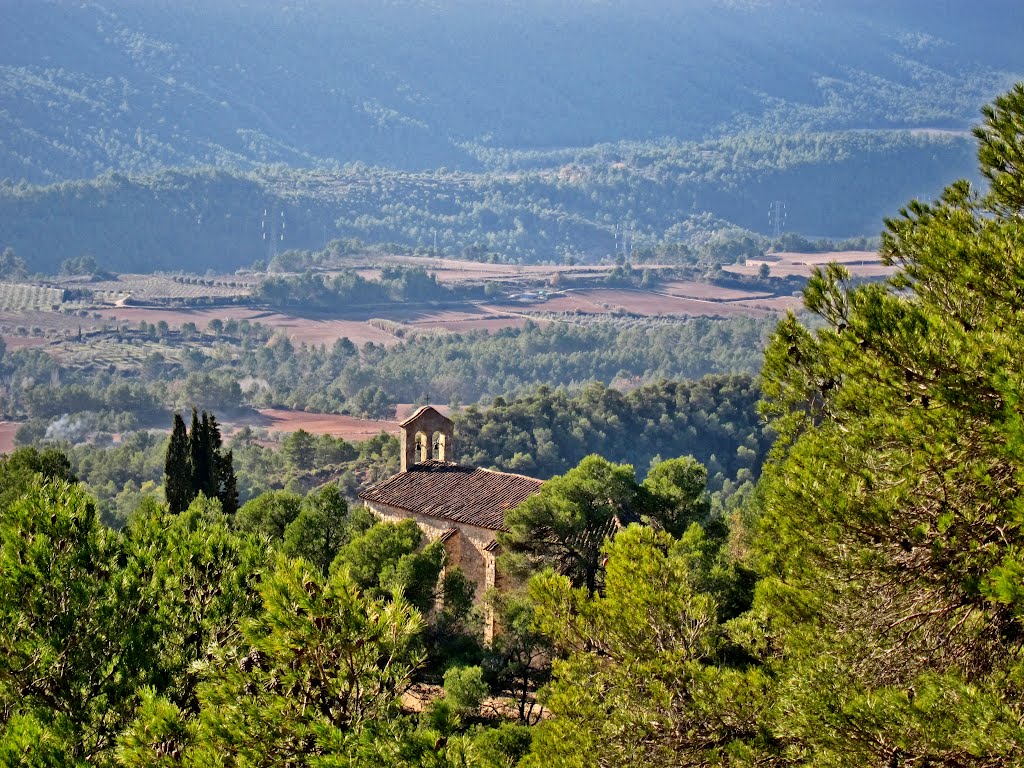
(282, 420)
(7, 430)
(647, 304)
(128, 321)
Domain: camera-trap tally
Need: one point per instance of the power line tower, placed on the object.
(623, 234)
(777, 218)
(272, 230)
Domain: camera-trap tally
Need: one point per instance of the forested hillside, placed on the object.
(759, 543)
(367, 381)
(690, 198)
(136, 86)
(546, 433)
(542, 134)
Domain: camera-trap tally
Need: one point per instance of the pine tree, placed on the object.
(345, 656)
(892, 516)
(177, 469)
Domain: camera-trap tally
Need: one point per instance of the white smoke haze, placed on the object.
(68, 428)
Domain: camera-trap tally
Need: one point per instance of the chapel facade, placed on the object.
(462, 506)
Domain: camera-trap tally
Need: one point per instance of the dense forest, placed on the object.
(242, 365)
(548, 432)
(543, 433)
(680, 202)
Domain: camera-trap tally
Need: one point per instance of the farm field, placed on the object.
(44, 325)
(23, 342)
(7, 430)
(774, 304)
(112, 353)
(860, 264)
(299, 329)
(604, 301)
(33, 314)
(691, 289)
(842, 257)
(156, 287)
(283, 420)
(16, 297)
(473, 318)
(456, 271)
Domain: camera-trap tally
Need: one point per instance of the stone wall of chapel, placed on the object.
(466, 549)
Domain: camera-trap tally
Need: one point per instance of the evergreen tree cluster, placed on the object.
(196, 465)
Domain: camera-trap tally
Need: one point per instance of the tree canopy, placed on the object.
(892, 528)
(195, 465)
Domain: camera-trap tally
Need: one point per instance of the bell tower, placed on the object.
(426, 435)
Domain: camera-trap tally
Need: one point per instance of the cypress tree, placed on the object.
(226, 483)
(196, 453)
(195, 465)
(208, 473)
(177, 469)
(202, 454)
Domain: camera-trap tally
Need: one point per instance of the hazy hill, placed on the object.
(531, 205)
(414, 84)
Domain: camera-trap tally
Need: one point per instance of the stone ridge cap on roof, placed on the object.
(419, 412)
(434, 465)
(510, 474)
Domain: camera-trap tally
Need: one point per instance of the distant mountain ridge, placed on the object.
(135, 87)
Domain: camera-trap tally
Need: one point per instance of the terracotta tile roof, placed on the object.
(454, 492)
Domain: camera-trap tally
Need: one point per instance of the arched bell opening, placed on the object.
(422, 447)
(440, 445)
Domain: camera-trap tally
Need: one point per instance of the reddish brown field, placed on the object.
(600, 301)
(691, 289)
(489, 324)
(347, 427)
(7, 430)
(48, 320)
(571, 301)
(299, 329)
(311, 331)
(471, 319)
(23, 342)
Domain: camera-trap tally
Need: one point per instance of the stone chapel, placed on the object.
(463, 506)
